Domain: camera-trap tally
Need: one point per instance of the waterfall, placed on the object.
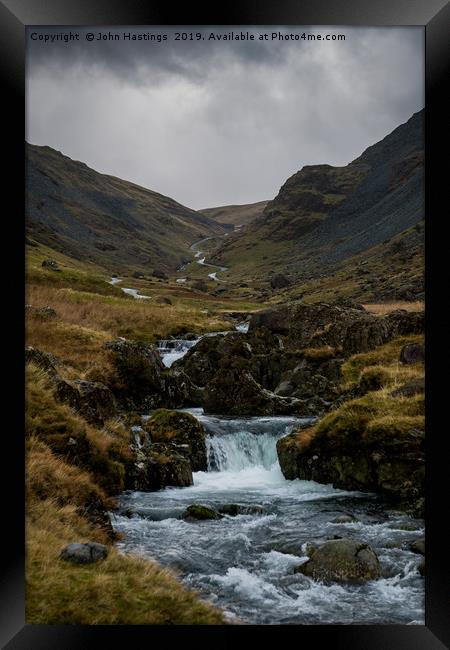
(239, 444)
(240, 451)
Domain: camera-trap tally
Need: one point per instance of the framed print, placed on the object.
(225, 234)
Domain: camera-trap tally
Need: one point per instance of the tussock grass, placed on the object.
(319, 354)
(67, 497)
(104, 452)
(386, 356)
(377, 416)
(121, 590)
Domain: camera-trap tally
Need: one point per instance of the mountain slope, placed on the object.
(323, 215)
(236, 215)
(98, 218)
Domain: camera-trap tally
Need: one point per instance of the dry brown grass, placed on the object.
(121, 590)
(381, 309)
(85, 321)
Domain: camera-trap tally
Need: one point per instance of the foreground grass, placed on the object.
(119, 590)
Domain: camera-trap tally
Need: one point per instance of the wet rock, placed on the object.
(198, 512)
(392, 464)
(183, 429)
(418, 546)
(87, 553)
(159, 466)
(344, 519)
(342, 560)
(421, 568)
(234, 509)
(412, 353)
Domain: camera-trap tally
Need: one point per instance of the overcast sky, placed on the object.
(214, 123)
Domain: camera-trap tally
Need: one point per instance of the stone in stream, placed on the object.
(87, 553)
(197, 512)
(160, 466)
(418, 546)
(342, 560)
(344, 519)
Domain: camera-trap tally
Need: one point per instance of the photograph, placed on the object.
(224, 229)
(225, 325)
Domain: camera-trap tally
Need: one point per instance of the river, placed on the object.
(245, 564)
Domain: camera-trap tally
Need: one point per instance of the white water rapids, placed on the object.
(245, 564)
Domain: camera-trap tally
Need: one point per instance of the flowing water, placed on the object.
(245, 564)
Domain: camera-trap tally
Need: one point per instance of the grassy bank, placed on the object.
(73, 471)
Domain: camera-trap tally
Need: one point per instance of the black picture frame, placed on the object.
(434, 16)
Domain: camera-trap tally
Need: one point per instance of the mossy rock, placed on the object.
(198, 512)
(342, 560)
(179, 428)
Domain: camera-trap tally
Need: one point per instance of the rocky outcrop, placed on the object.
(92, 400)
(183, 430)
(141, 381)
(393, 464)
(345, 328)
(342, 560)
(234, 391)
(86, 553)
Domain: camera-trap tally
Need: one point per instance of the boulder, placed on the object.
(279, 281)
(51, 265)
(92, 400)
(183, 429)
(163, 300)
(159, 466)
(342, 560)
(198, 512)
(412, 353)
(276, 321)
(418, 546)
(86, 553)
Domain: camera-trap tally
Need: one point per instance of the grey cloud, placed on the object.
(216, 123)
